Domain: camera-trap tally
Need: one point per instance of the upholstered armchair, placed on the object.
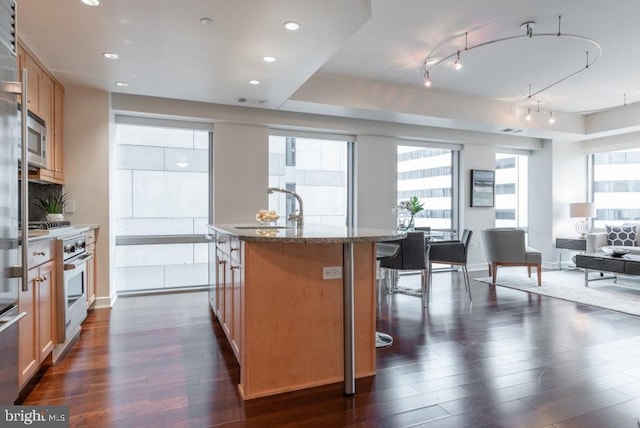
(507, 247)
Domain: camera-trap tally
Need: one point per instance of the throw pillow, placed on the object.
(621, 235)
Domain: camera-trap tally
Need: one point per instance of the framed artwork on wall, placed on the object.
(482, 188)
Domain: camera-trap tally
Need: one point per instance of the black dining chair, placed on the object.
(413, 255)
(451, 253)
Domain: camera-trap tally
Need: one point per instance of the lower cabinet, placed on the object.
(37, 328)
(227, 271)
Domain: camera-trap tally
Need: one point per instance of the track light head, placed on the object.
(427, 80)
(551, 119)
(457, 64)
(528, 116)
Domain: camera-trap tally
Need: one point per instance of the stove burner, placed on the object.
(46, 225)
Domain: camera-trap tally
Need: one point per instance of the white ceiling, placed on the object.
(164, 51)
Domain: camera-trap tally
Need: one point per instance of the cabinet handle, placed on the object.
(235, 267)
(222, 242)
(222, 262)
(39, 253)
(234, 249)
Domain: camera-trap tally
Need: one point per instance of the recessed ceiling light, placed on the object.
(123, 84)
(91, 2)
(254, 82)
(269, 59)
(292, 26)
(110, 55)
(205, 22)
(182, 164)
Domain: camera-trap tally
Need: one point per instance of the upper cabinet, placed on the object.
(45, 97)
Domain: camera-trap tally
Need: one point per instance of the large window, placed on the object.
(616, 187)
(162, 173)
(511, 190)
(429, 173)
(318, 170)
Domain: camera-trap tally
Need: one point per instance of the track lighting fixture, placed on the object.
(551, 119)
(436, 57)
(528, 116)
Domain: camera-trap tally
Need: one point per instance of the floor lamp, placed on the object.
(585, 211)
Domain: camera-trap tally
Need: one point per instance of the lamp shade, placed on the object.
(582, 209)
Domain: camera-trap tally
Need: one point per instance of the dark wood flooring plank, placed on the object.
(509, 359)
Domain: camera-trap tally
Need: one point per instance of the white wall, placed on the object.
(376, 176)
(87, 121)
(475, 218)
(541, 180)
(241, 165)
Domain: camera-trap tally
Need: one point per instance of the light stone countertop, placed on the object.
(74, 229)
(309, 234)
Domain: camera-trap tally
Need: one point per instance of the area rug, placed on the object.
(569, 285)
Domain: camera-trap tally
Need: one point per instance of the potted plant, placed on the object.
(413, 206)
(54, 205)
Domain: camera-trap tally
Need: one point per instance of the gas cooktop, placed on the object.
(46, 225)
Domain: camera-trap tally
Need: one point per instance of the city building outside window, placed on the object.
(511, 190)
(318, 170)
(615, 183)
(162, 199)
(429, 173)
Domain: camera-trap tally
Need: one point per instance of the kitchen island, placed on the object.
(297, 305)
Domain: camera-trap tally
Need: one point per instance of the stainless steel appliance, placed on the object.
(72, 281)
(10, 269)
(36, 140)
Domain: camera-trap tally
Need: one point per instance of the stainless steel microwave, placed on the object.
(36, 141)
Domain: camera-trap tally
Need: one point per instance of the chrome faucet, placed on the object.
(298, 218)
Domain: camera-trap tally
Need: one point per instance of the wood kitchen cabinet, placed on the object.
(45, 96)
(225, 293)
(90, 240)
(37, 329)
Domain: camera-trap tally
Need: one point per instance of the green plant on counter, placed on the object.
(54, 204)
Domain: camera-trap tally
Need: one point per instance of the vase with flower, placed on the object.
(406, 211)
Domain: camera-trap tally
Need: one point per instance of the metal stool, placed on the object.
(384, 251)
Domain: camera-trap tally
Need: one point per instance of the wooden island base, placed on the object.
(292, 323)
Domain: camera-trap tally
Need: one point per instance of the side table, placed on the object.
(574, 244)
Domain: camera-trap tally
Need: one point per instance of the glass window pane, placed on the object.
(616, 187)
(315, 169)
(511, 190)
(162, 177)
(428, 174)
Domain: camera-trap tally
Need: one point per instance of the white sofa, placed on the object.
(598, 239)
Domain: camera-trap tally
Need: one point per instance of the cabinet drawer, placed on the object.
(40, 252)
(606, 264)
(223, 242)
(632, 267)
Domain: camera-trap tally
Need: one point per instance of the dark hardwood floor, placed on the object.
(510, 359)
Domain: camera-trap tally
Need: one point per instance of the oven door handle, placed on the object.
(78, 262)
(6, 323)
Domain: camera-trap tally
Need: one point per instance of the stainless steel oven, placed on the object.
(72, 292)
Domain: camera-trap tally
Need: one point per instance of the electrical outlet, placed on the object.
(332, 272)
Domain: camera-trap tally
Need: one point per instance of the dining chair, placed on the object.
(451, 253)
(413, 255)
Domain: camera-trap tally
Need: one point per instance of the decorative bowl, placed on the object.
(615, 252)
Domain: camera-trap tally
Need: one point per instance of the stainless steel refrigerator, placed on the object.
(10, 250)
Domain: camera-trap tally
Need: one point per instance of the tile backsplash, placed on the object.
(37, 191)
